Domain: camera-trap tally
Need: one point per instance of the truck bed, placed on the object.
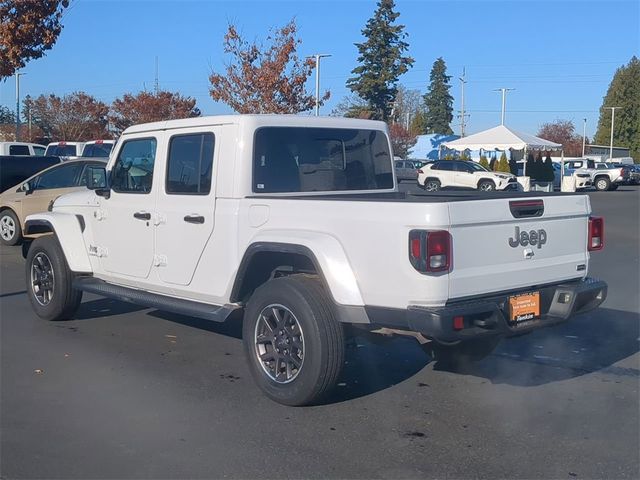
(420, 197)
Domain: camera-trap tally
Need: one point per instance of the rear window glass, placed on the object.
(97, 150)
(299, 159)
(19, 150)
(62, 150)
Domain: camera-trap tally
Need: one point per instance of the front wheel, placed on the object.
(10, 231)
(486, 186)
(603, 184)
(49, 280)
(294, 343)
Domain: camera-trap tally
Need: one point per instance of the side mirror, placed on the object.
(96, 180)
(26, 188)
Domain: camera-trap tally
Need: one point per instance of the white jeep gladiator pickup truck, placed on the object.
(296, 224)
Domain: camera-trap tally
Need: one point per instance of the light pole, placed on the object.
(584, 135)
(613, 117)
(504, 100)
(462, 82)
(18, 75)
(318, 56)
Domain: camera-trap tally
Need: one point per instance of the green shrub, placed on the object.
(503, 164)
(484, 162)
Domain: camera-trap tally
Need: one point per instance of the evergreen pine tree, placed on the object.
(503, 164)
(484, 162)
(381, 60)
(623, 92)
(438, 101)
(530, 166)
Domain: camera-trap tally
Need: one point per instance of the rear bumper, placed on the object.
(489, 315)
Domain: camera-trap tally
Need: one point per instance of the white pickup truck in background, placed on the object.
(296, 223)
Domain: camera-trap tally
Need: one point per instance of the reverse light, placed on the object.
(430, 251)
(596, 234)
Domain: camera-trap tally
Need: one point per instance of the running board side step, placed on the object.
(180, 306)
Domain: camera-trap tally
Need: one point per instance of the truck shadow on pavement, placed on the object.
(590, 343)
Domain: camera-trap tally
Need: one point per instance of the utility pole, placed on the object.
(613, 117)
(584, 135)
(156, 85)
(318, 56)
(408, 115)
(462, 116)
(504, 97)
(18, 75)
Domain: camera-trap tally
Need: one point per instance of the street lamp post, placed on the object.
(584, 135)
(18, 75)
(504, 101)
(613, 117)
(318, 56)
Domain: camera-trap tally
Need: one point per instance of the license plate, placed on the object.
(524, 308)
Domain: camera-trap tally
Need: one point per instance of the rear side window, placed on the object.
(190, 164)
(133, 171)
(446, 165)
(19, 150)
(299, 159)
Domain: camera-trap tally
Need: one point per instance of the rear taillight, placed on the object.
(420, 171)
(596, 233)
(430, 251)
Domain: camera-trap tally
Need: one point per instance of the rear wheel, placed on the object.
(10, 231)
(602, 184)
(486, 185)
(49, 280)
(432, 185)
(294, 343)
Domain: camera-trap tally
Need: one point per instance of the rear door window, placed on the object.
(190, 164)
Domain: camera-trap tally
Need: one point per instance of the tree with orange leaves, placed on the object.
(27, 29)
(150, 107)
(265, 79)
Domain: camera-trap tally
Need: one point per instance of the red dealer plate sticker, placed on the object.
(524, 308)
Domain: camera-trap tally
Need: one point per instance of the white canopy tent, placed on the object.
(502, 138)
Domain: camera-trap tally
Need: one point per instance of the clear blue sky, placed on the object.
(559, 55)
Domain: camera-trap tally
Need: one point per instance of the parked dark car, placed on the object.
(634, 174)
(14, 168)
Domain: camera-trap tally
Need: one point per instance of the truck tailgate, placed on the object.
(491, 254)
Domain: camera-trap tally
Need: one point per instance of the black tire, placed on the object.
(486, 186)
(464, 352)
(10, 229)
(432, 185)
(322, 337)
(63, 300)
(602, 184)
(613, 186)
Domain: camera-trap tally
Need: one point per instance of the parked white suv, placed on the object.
(296, 223)
(466, 174)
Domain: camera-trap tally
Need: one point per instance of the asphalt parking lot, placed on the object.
(125, 392)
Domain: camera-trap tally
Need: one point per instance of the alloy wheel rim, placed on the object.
(431, 186)
(279, 343)
(42, 278)
(7, 227)
(486, 187)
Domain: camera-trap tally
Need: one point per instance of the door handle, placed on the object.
(194, 219)
(142, 215)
